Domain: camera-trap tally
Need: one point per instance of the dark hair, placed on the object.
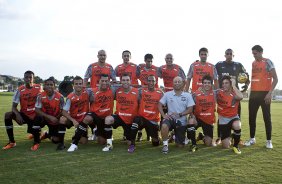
(151, 76)
(126, 51)
(207, 77)
(226, 77)
(229, 50)
(104, 75)
(50, 79)
(125, 75)
(29, 72)
(148, 56)
(257, 48)
(204, 49)
(76, 78)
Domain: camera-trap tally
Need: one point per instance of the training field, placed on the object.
(147, 164)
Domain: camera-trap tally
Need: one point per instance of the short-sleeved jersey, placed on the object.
(261, 76)
(131, 69)
(51, 106)
(94, 72)
(177, 104)
(149, 104)
(197, 70)
(145, 72)
(27, 99)
(227, 105)
(205, 106)
(79, 105)
(103, 102)
(168, 74)
(232, 69)
(127, 104)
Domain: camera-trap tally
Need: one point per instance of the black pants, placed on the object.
(257, 100)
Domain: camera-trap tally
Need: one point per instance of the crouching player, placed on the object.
(228, 98)
(100, 108)
(25, 95)
(204, 112)
(74, 111)
(179, 104)
(127, 101)
(49, 107)
(149, 116)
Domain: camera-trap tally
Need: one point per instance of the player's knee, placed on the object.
(109, 120)
(88, 120)
(236, 125)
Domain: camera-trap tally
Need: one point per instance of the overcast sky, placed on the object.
(62, 37)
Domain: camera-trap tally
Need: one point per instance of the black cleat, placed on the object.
(61, 146)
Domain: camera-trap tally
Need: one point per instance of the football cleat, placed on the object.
(108, 148)
(9, 145)
(35, 147)
(61, 146)
(218, 141)
(250, 142)
(131, 148)
(269, 144)
(193, 148)
(72, 148)
(30, 136)
(236, 150)
(43, 136)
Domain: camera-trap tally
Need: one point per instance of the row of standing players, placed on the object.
(48, 107)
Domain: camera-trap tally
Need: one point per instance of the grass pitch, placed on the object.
(147, 164)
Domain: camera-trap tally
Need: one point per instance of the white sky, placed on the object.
(59, 38)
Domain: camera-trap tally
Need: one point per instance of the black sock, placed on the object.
(36, 133)
(108, 131)
(133, 133)
(191, 131)
(82, 129)
(61, 133)
(237, 136)
(10, 130)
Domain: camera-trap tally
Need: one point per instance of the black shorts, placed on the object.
(179, 130)
(100, 123)
(225, 130)
(151, 128)
(119, 122)
(207, 128)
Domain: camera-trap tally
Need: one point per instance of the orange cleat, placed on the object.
(34, 147)
(43, 136)
(29, 136)
(9, 145)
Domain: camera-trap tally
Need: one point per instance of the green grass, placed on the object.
(147, 165)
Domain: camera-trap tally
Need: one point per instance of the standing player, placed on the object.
(49, 107)
(228, 98)
(264, 80)
(169, 71)
(200, 68)
(26, 96)
(100, 108)
(179, 105)
(149, 116)
(128, 67)
(148, 69)
(233, 69)
(95, 70)
(205, 100)
(127, 100)
(74, 111)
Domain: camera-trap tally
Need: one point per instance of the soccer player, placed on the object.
(149, 115)
(200, 68)
(128, 67)
(95, 70)
(148, 69)
(228, 98)
(127, 101)
(169, 71)
(179, 105)
(49, 107)
(75, 109)
(205, 100)
(264, 79)
(100, 108)
(233, 69)
(26, 96)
